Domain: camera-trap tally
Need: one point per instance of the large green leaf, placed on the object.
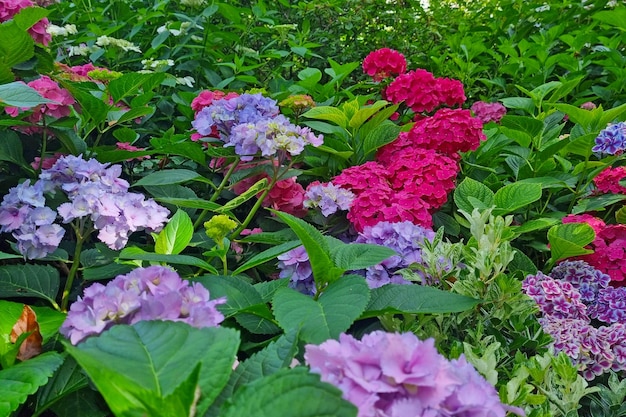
(28, 16)
(176, 235)
(567, 240)
(514, 196)
(132, 83)
(11, 148)
(136, 253)
(24, 379)
(16, 46)
(67, 379)
(334, 312)
(414, 299)
(92, 108)
(18, 94)
(277, 355)
(362, 115)
(242, 301)
(615, 17)
(158, 356)
(331, 114)
(317, 248)
(469, 192)
(289, 393)
(29, 281)
(267, 255)
(381, 135)
(355, 256)
(168, 176)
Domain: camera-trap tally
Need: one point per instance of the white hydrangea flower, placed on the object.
(120, 43)
(188, 81)
(66, 30)
(193, 3)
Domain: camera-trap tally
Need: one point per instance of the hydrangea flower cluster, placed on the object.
(251, 124)
(405, 238)
(61, 100)
(611, 140)
(607, 181)
(422, 92)
(328, 197)
(574, 299)
(24, 213)
(9, 8)
(384, 62)
(398, 375)
(296, 266)
(94, 190)
(609, 247)
(152, 293)
(488, 112)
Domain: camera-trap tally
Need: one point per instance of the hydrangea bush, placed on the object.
(393, 236)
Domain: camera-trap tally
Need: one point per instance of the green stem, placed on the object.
(217, 192)
(75, 264)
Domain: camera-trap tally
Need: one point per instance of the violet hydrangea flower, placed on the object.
(295, 265)
(611, 140)
(397, 375)
(328, 197)
(152, 293)
(405, 238)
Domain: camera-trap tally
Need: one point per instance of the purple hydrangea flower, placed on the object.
(153, 293)
(328, 197)
(405, 238)
(252, 124)
(609, 305)
(611, 140)
(582, 276)
(397, 375)
(296, 266)
(554, 297)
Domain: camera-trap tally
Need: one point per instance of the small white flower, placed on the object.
(188, 81)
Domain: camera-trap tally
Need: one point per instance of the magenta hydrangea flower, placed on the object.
(152, 293)
(9, 8)
(488, 112)
(383, 63)
(398, 375)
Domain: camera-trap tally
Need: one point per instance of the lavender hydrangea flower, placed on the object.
(609, 305)
(296, 266)
(611, 140)
(23, 212)
(328, 197)
(398, 375)
(554, 297)
(582, 276)
(153, 293)
(405, 238)
(251, 123)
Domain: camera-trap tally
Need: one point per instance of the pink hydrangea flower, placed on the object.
(383, 63)
(287, 196)
(488, 112)
(596, 223)
(128, 147)
(448, 131)
(588, 105)
(421, 91)
(47, 163)
(207, 97)
(607, 181)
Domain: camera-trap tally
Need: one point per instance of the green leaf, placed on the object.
(316, 248)
(168, 176)
(289, 393)
(24, 379)
(132, 83)
(67, 379)
(337, 308)
(568, 240)
(275, 356)
(381, 135)
(11, 148)
(195, 203)
(28, 16)
(176, 235)
(355, 256)
(257, 187)
(242, 300)
(136, 253)
(16, 46)
(18, 94)
(92, 108)
(615, 17)
(29, 281)
(157, 356)
(620, 215)
(49, 320)
(514, 196)
(415, 299)
(131, 114)
(522, 129)
(266, 255)
(534, 225)
(597, 203)
(331, 114)
(267, 289)
(470, 189)
(362, 115)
